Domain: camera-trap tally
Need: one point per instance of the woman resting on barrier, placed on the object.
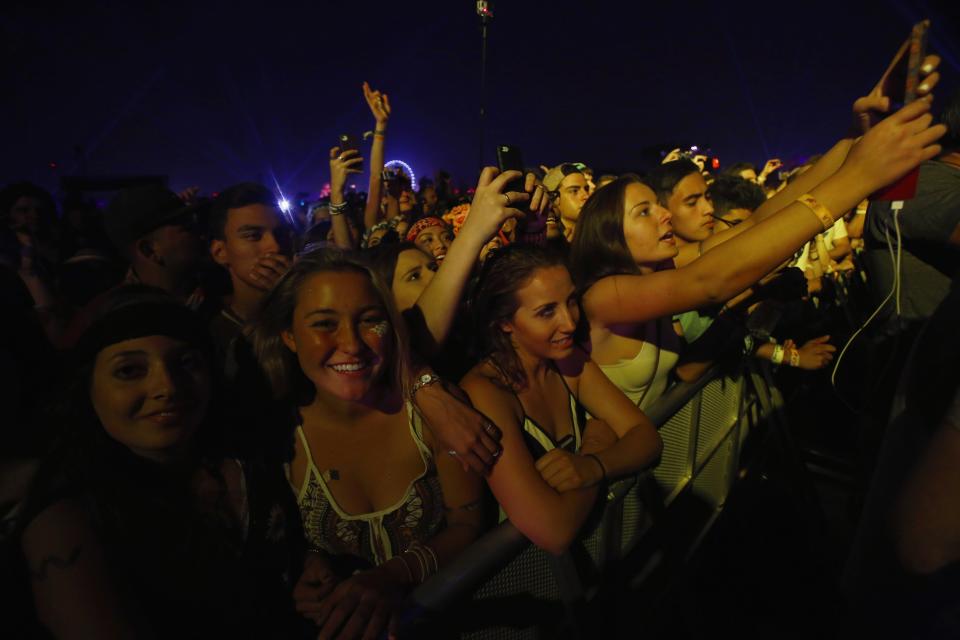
(139, 525)
(623, 237)
(536, 384)
(382, 508)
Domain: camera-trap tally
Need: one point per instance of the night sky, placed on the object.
(215, 93)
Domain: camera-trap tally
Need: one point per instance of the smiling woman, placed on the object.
(137, 524)
(537, 385)
(374, 493)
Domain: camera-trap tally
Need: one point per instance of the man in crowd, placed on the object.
(159, 235)
(734, 200)
(252, 240)
(568, 190)
(681, 188)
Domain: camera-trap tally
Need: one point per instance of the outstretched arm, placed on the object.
(887, 152)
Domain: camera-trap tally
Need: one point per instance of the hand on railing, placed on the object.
(565, 471)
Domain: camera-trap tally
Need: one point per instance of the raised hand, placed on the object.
(772, 165)
(379, 104)
(341, 166)
(491, 206)
(867, 109)
(189, 195)
(670, 157)
(895, 146)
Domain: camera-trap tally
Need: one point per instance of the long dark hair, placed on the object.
(494, 301)
(85, 461)
(599, 248)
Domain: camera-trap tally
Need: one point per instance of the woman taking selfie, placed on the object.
(624, 237)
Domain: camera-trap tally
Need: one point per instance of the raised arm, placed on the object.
(550, 519)
(379, 105)
(341, 165)
(887, 152)
(491, 207)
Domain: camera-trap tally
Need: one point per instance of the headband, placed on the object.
(421, 224)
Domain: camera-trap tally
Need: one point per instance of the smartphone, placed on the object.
(349, 142)
(900, 83)
(509, 158)
(531, 229)
(902, 77)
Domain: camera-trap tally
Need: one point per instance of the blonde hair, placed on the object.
(279, 363)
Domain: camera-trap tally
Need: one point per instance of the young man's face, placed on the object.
(573, 192)
(251, 233)
(692, 212)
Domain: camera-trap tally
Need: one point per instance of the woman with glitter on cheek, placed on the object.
(382, 510)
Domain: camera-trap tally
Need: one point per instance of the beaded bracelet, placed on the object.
(337, 209)
(794, 358)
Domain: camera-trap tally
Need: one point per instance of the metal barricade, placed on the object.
(504, 587)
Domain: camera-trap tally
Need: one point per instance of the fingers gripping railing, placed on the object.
(501, 586)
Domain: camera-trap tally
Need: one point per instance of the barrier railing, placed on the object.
(520, 591)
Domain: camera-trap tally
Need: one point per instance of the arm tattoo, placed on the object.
(55, 561)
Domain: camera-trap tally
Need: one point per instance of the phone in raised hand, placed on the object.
(900, 83)
(349, 142)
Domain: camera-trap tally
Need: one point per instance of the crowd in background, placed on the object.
(230, 417)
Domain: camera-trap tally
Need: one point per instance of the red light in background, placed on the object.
(715, 163)
(53, 165)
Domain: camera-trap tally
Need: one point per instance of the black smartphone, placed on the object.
(349, 142)
(509, 158)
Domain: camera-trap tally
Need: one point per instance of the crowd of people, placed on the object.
(231, 418)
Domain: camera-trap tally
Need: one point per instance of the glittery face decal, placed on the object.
(380, 329)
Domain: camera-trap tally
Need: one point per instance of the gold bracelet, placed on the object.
(822, 213)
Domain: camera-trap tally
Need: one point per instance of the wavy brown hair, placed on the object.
(494, 301)
(275, 316)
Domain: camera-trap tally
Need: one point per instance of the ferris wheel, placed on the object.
(405, 168)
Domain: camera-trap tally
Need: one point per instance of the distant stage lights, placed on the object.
(284, 205)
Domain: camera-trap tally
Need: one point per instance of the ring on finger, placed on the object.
(507, 196)
(488, 428)
(452, 453)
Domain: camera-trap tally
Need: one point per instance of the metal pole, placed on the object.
(485, 12)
